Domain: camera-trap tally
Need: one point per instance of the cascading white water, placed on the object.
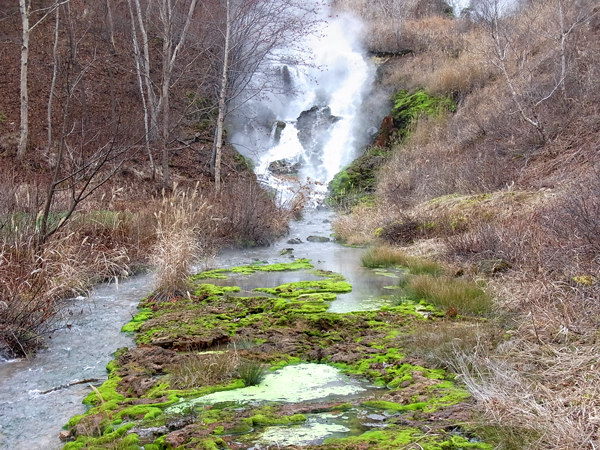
(338, 78)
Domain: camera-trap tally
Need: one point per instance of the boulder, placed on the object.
(313, 127)
(284, 167)
(317, 239)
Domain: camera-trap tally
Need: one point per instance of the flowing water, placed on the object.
(31, 420)
(320, 126)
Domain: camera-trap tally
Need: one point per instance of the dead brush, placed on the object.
(438, 343)
(178, 240)
(544, 396)
(357, 228)
(249, 216)
(197, 370)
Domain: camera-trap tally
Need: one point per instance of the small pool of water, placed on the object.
(292, 384)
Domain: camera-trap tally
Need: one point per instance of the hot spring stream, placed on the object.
(32, 420)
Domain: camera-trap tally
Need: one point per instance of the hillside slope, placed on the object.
(504, 190)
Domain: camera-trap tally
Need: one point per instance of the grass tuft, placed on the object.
(384, 256)
(206, 369)
(251, 372)
(450, 293)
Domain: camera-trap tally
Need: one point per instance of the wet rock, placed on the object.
(295, 241)
(138, 367)
(149, 435)
(279, 127)
(64, 435)
(317, 239)
(286, 251)
(284, 167)
(313, 127)
(346, 358)
(180, 437)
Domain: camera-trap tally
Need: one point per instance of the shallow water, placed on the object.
(368, 288)
(30, 420)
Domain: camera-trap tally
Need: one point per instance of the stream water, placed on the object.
(30, 420)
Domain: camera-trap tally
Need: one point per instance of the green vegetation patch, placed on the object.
(137, 321)
(288, 330)
(355, 183)
(299, 264)
(300, 288)
(114, 438)
(447, 293)
(395, 437)
(410, 106)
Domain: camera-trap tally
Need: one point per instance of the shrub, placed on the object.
(438, 343)
(178, 242)
(248, 215)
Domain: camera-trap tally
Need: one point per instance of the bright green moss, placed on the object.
(393, 438)
(138, 320)
(108, 391)
(296, 289)
(299, 264)
(263, 420)
(391, 406)
(91, 442)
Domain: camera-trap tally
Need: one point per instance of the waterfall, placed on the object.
(314, 129)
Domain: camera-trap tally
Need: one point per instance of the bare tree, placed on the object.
(549, 24)
(78, 171)
(174, 21)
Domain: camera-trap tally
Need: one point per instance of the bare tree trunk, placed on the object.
(24, 8)
(170, 54)
(222, 97)
(110, 39)
(153, 103)
(165, 127)
(53, 83)
(138, 57)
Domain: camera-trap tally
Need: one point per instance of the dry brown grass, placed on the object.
(198, 370)
(180, 232)
(525, 195)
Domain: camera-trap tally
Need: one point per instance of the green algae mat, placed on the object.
(274, 370)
